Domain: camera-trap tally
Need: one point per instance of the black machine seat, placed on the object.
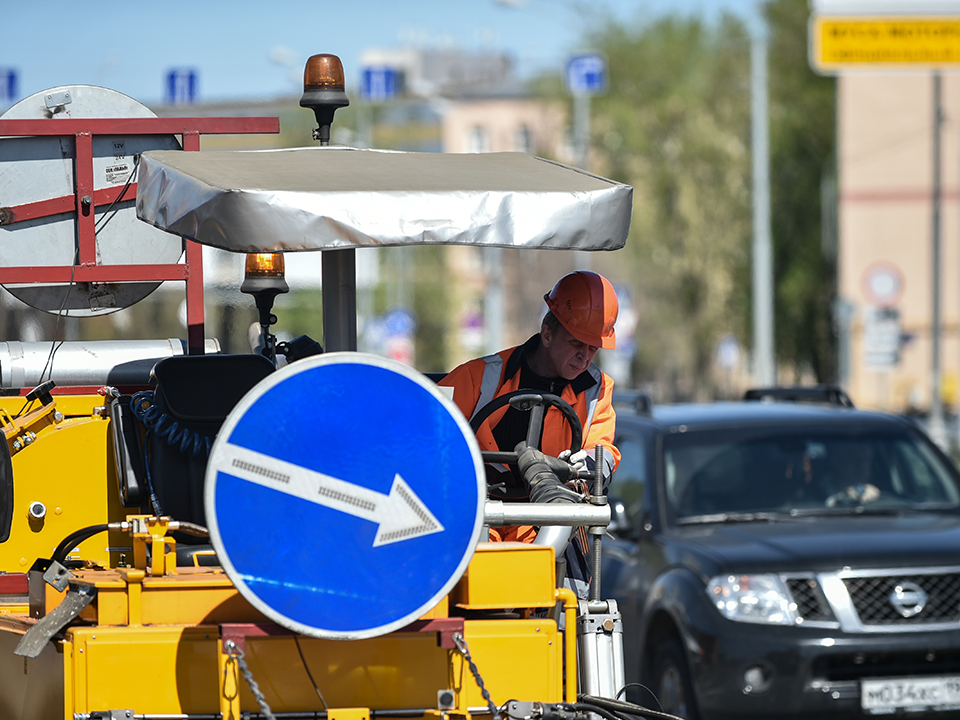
(192, 397)
(195, 393)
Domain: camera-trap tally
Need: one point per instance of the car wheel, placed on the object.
(671, 681)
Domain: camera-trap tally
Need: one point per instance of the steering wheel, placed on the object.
(527, 401)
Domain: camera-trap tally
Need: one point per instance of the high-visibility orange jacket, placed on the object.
(477, 382)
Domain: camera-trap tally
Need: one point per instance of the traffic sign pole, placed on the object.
(581, 123)
(378, 84)
(586, 75)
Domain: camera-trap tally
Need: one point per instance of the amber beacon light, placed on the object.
(263, 265)
(263, 278)
(323, 92)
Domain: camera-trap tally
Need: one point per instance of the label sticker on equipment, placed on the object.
(117, 174)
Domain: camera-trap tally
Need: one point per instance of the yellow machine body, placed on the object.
(153, 640)
(167, 640)
(66, 467)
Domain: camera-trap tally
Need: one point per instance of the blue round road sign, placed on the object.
(586, 74)
(344, 495)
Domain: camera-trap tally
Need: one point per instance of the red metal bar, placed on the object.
(444, 627)
(191, 141)
(141, 126)
(67, 203)
(14, 584)
(86, 222)
(89, 390)
(240, 632)
(94, 273)
(195, 319)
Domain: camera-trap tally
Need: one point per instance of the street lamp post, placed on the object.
(763, 353)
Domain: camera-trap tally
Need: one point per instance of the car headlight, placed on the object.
(753, 598)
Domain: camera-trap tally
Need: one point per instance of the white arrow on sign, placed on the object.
(400, 514)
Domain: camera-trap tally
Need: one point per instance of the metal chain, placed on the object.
(237, 654)
(461, 644)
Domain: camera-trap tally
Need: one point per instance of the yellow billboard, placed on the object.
(850, 43)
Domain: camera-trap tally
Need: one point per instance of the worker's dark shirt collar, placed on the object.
(579, 384)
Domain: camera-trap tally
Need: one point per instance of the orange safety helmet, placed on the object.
(586, 305)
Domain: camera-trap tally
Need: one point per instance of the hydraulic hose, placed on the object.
(74, 539)
(545, 486)
(78, 536)
(624, 708)
(189, 528)
(575, 711)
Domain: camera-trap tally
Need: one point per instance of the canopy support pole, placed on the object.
(339, 278)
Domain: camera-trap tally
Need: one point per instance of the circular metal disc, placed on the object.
(42, 168)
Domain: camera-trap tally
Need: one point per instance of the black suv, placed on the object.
(785, 559)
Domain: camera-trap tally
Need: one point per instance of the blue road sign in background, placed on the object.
(380, 83)
(586, 74)
(9, 87)
(344, 495)
(180, 87)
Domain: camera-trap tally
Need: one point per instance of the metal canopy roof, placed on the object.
(322, 198)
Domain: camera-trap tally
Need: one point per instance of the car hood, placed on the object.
(820, 543)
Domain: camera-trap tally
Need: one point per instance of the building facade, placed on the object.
(899, 249)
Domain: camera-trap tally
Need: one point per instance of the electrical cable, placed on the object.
(22, 410)
(323, 702)
(104, 219)
(642, 687)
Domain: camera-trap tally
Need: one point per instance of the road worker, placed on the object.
(582, 311)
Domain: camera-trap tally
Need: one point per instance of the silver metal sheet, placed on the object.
(330, 197)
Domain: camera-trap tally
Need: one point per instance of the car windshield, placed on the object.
(720, 474)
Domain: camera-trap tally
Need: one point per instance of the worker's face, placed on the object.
(568, 356)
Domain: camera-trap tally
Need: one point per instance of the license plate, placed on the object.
(892, 694)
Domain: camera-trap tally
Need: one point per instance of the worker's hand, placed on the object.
(577, 460)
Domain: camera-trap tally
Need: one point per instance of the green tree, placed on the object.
(674, 124)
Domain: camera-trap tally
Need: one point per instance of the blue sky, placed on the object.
(243, 49)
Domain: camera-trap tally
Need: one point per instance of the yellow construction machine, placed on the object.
(297, 532)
